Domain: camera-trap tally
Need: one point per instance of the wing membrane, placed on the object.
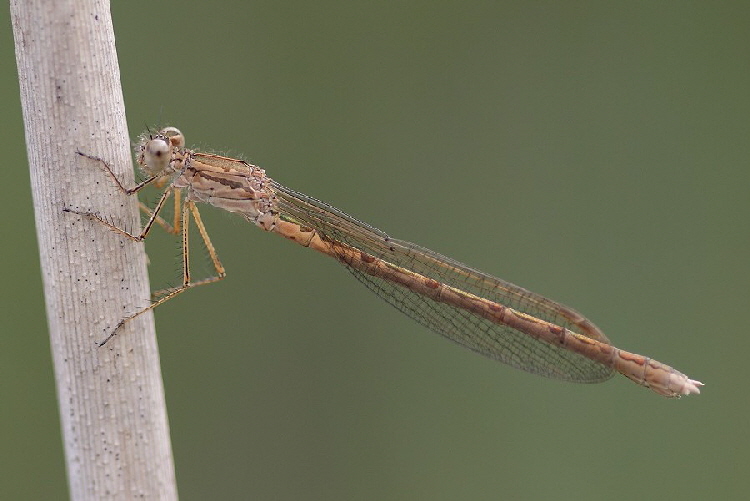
(496, 341)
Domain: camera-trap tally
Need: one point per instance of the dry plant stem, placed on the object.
(112, 408)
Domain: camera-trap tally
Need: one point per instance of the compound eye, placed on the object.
(156, 155)
(174, 135)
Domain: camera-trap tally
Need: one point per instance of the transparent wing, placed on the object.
(496, 341)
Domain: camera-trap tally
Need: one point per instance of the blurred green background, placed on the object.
(594, 152)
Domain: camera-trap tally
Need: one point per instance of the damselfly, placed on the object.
(478, 311)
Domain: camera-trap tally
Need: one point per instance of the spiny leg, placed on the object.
(173, 228)
(220, 272)
(105, 166)
(181, 222)
(138, 238)
(159, 181)
(153, 214)
(165, 295)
